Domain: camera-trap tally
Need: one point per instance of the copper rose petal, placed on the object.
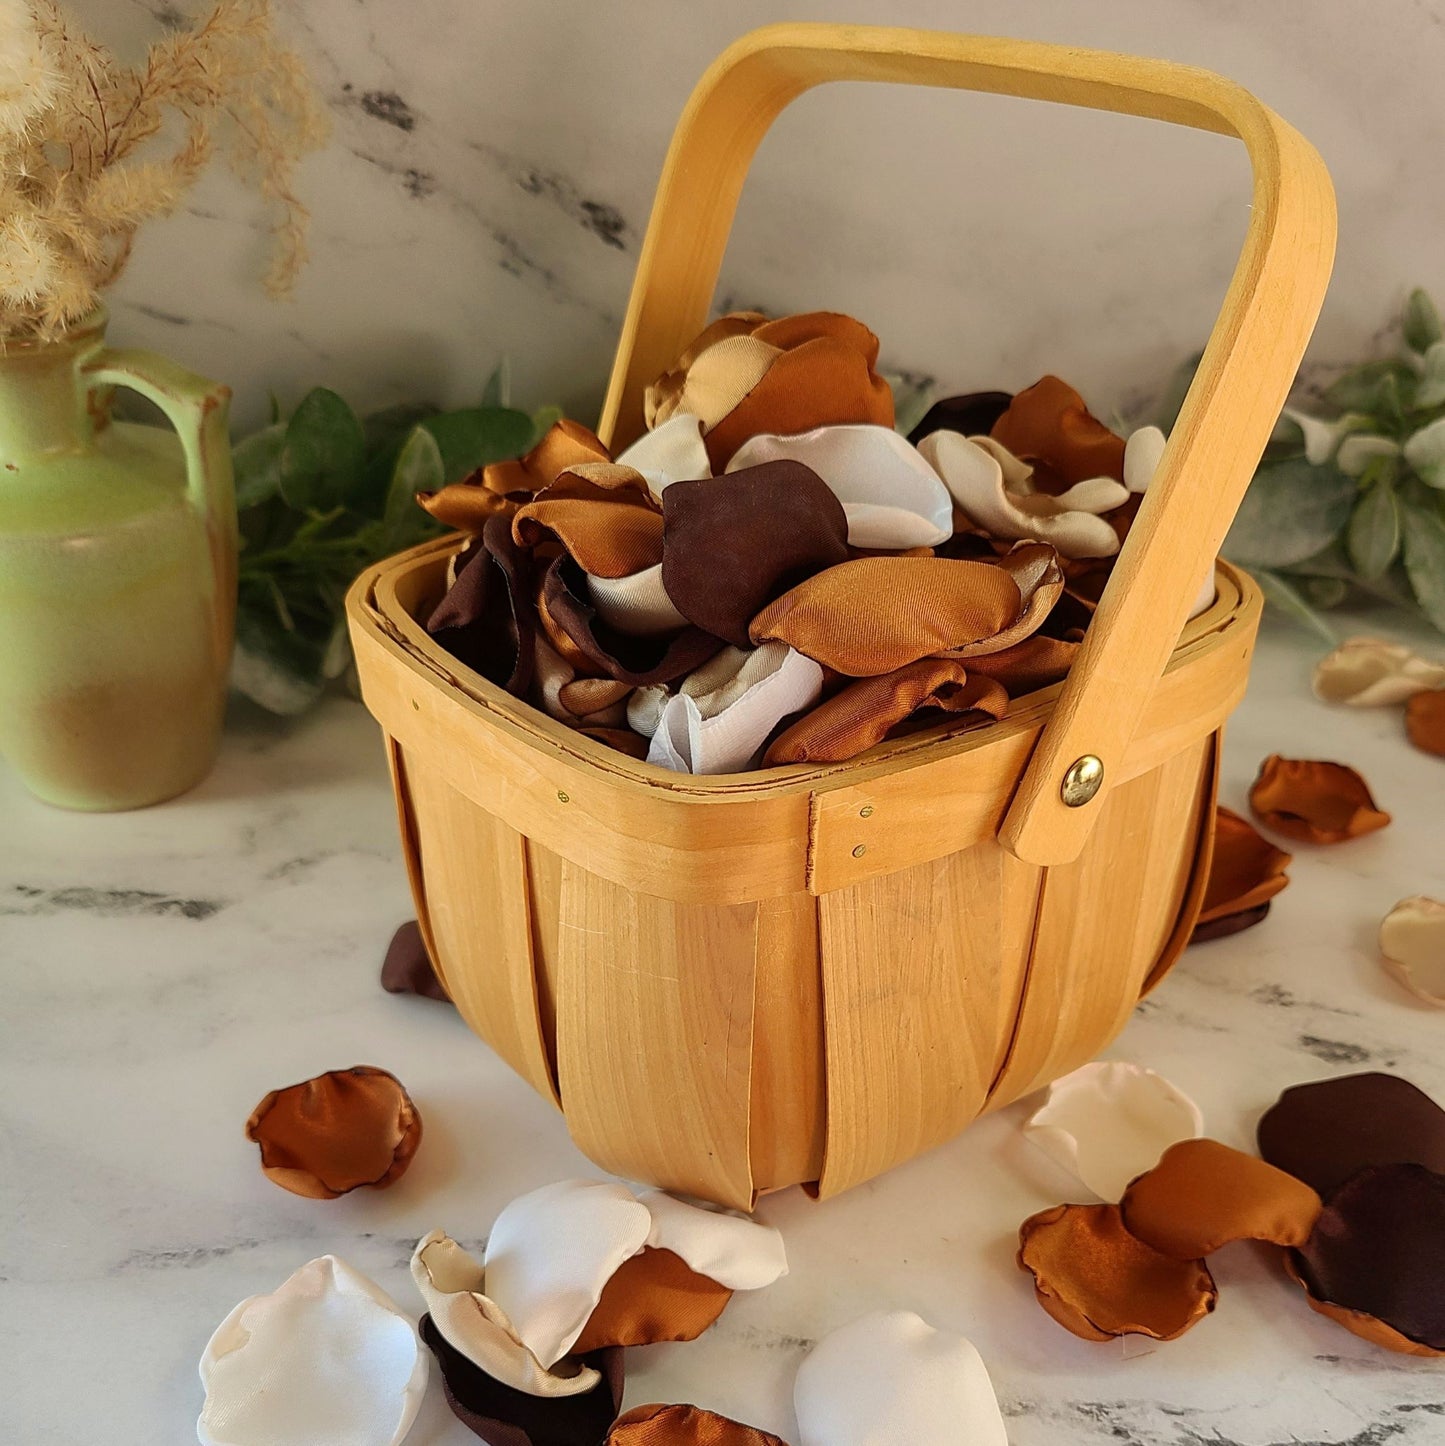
(1323, 1132)
(1246, 873)
(973, 414)
(341, 1130)
(564, 444)
(1098, 1281)
(407, 968)
(1313, 800)
(1049, 423)
(655, 1296)
(504, 1416)
(1425, 721)
(1202, 1195)
(684, 1426)
(604, 515)
(1379, 1249)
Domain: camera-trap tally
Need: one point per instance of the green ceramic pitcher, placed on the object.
(117, 573)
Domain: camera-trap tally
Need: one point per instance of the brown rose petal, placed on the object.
(1048, 423)
(655, 1296)
(636, 661)
(1314, 801)
(1099, 1282)
(407, 968)
(343, 1129)
(1425, 721)
(876, 614)
(1324, 1131)
(823, 376)
(684, 1426)
(487, 619)
(1202, 1195)
(1379, 1249)
(603, 515)
(1246, 873)
(564, 444)
(865, 712)
(972, 414)
(1357, 1322)
(732, 544)
(504, 1416)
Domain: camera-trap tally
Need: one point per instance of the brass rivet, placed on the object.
(860, 851)
(866, 811)
(562, 797)
(1082, 780)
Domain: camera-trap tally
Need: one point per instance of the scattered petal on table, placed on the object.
(890, 495)
(1049, 423)
(1358, 1322)
(336, 1132)
(1379, 1249)
(1425, 721)
(684, 1426)
(1203, 1195)
(673, 452)
(1110, 1121)
(407, 968)
(452, 1282)
(1314, 800)
(1099, 1281)
(1247, 871)
(891, 1377)
(327, 1356)
(1412, 944)
(733, 1250)
(1373, 673)
(502, 1416)
(655, 1296)
(1323, 1132)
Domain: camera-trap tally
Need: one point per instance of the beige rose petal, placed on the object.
(1412, 944)
(1374, 673)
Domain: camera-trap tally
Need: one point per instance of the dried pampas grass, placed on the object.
(90, 148)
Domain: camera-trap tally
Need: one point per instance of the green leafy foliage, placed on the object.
(321, 495)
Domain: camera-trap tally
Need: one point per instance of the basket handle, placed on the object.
(1245, 375)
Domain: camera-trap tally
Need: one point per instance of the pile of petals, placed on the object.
(1350, 1189)
(528, 1340)
(1373, 673)
(771, 574)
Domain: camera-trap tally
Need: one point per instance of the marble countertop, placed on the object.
(164, 969)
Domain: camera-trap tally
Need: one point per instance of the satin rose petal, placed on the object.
(637, 605)
(875, 614)
(624, 740)
(891, 1377)
(1110, 1121)
(334, 1133)
(1099, 1281)
(710, 735)
(1412, 945)
(502, 1416)
(892, 498)
(1313, 800)
(327, 1356)
(1372, 673)
(1048, 422)
(674, 452)
(663, 398)
(739, 1253)
(1203, 1195)
(453, 1285)
(684, 1426)
(656, 1296)
(563, 445)
(866, 712)
(407, 968)
(603, 515)
(551, 1253)
(465, 505)
(1425, 721)
(972, 413)
(722, 376)
(1142, 453)
(1028, 665)
(645, 707)
(1379, 1249)
(1246, 872)
(732, 544)
(977, 481)
(1325, 1131)
(1357, 1322)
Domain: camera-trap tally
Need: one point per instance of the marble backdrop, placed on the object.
(494, 160)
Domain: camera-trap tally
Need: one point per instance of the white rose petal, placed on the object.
(739, 1253)
(1373, 673)
(673, 452)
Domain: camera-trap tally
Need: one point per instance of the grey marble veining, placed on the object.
(163, 969)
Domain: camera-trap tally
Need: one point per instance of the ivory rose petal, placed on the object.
(1412, 944)
(327, 1356)
(1373, 673)
(672, 452)
(637, 604)
(1143, 450)
(1110, 1121)
(739, 1253)
(892, 1377)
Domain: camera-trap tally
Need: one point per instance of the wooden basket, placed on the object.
(810, 974)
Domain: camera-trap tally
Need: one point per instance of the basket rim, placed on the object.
(376, 603)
